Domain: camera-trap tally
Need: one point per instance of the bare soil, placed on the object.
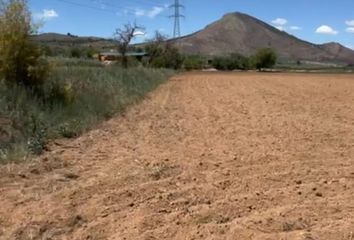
(205, 156)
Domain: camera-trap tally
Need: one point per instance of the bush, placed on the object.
(232, 62)
(21, 61)
(264, 58)
(169, 58)
(38, 135)
(162, 54)
(90, 52)
(75, 53)
(240, 62)
(222, 63)
(193, 62)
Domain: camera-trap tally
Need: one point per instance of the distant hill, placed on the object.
(244, 34)
(62, 43)
(233, 33)
(339, 51)
(66, 38)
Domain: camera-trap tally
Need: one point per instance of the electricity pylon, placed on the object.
(177, 16)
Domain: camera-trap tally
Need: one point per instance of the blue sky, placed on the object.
(316, 21)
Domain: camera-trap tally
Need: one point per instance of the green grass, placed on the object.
(77, 95)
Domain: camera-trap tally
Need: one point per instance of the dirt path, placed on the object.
(206, 156)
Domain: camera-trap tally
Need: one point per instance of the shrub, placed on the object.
(20, 59)
(169, 58)
(75, 53)
(70, 128)
(162, 54)
(90, 53)
(221, 63)
(38, 135)
(193, 62)
(232, 62)
(264, 58)
(240, 61)
(156, 46)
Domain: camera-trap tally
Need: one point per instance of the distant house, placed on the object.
(116, 56)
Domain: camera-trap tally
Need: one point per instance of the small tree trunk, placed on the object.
(125, 61)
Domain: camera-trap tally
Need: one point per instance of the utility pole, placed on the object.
(177, 15)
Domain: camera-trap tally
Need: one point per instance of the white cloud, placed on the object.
(349, 46)
(139, 12)
(350, 23)
(281, 28)
(46, 14)
(139, 33)
(350, 30)
(280, 21)
(155, 11)
(152, 13)
(295, 28)
(324, 29)
(282, 25)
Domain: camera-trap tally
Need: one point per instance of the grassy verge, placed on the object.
(76, 96)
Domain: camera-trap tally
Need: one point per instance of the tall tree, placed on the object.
(265, 58)
(20, 61)
(124, 36)
(156, 46)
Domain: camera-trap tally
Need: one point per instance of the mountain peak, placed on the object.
(237, 14)
(234, 14)
(339, 51)
(333, 44)
(237, 32)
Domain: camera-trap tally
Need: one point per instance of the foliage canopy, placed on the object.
(20, 59)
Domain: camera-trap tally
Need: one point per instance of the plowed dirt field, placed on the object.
(205, 156)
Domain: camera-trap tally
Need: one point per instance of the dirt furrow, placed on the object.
(205, 156)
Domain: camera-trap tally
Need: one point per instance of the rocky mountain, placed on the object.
(339, 51)
(244, 34)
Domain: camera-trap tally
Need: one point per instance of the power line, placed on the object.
(177, 16)
(149, 4)
(111, 8)
(114, 11)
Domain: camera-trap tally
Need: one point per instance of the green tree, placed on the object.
(156, 46)
(222, 63)
(20, 58)
(169, 58)
(162, 54)
(264, 58)
(232, 62)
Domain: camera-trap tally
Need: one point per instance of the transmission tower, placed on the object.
(177, 16)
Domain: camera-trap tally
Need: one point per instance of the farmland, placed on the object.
(204, 156)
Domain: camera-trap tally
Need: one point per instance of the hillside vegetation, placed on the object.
(43, 98)
(75, 97)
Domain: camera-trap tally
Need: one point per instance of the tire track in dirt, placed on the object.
(205, 156)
